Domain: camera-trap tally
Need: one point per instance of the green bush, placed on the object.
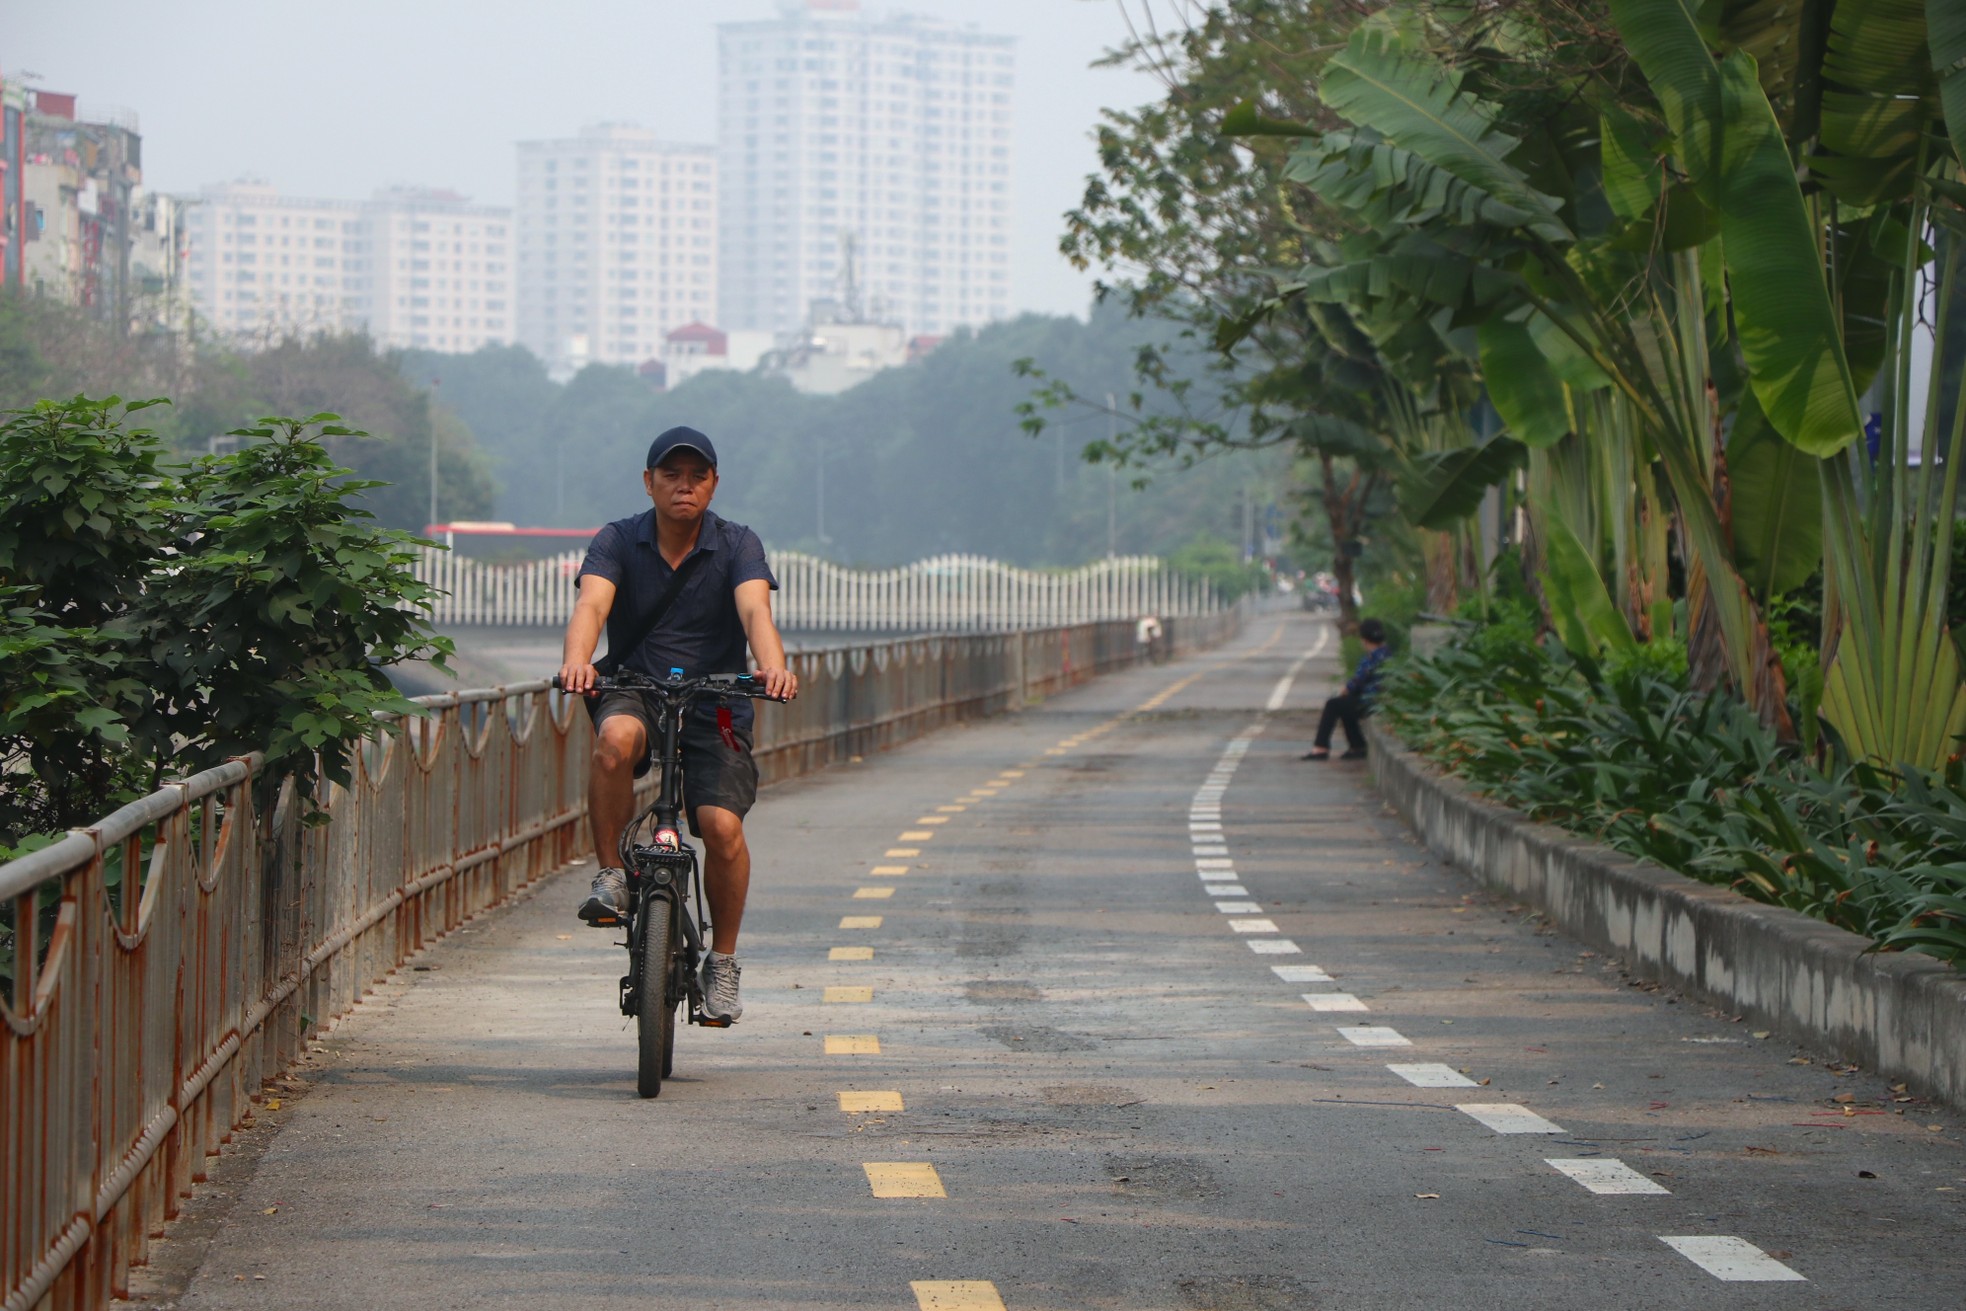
(156, 619)
(1692, 782)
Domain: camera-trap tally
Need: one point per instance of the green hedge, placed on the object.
(1630, 757)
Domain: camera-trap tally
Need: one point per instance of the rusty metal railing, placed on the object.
(139, 1032)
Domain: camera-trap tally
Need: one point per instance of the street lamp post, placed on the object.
(433, 450)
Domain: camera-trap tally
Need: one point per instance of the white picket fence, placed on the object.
(949, 593)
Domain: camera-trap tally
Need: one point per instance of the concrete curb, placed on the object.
(1901, 1015)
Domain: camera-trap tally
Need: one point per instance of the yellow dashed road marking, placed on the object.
(952, 810)
(889, 869)
(928, 819)
(918, 835)
(851, 994)
(1011, 773)
(850, 953)
(903, 851)
(855, 1103)
(1056, 751)
(956, 1295)
(872, 894)
(903, 1179)
(860, 922)
(852, 1044)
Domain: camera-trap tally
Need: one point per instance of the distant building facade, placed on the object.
(13, 195)
(414, 268)
(440, 272)
(885, 142)
(617, 245)
(699, 348)
(83, 229)
(264, 266)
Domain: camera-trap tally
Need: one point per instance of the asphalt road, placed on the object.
(1124, 998)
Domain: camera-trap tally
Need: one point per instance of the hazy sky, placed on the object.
(337, 99)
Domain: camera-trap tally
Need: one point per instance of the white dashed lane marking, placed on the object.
(1733, 1259)
(1507, 1117)
(1722, 1256)
(1375, 1035)
(1282, 690)
(1607, 1176)
(1432, 1076)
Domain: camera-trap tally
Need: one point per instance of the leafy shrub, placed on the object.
(157, 619)
(1694, 783)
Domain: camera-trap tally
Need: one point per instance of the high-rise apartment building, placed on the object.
(617, 234)
(876, 145)
(424, 269)
(439, 271)
(263, 265)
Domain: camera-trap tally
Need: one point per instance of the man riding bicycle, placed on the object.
(686, 590)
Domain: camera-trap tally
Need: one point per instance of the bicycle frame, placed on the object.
(664, 874)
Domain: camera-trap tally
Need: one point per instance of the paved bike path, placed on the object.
(1099, 1066)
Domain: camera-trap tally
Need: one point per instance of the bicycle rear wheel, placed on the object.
(655, 1010)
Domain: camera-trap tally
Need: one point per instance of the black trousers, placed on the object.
(1346, 710)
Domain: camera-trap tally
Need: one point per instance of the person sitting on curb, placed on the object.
(1355, 702)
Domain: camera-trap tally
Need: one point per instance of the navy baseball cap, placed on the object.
(681, 439)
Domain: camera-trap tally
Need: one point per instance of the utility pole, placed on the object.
(1113, 479)
(819, 491)
(560, 481)
(433, 450)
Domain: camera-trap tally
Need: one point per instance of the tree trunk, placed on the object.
(1340, 519)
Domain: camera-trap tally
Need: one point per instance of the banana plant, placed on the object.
(1443, 191)
(1825, 290)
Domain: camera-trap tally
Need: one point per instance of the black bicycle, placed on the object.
(665, 937)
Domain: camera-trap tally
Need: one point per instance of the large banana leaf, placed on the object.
(1414, 101)
(1776, 503)
(1877, 100)
(1523, 385)
(1945, 32)
(1414, 266)
(1386, 186)
(1439, 489)
(1670, 49)
(1581, 609)
(1632, 177)
(1787, 326)
(1728, 141)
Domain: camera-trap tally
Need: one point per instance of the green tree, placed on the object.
(159, 618)
(1190, 230)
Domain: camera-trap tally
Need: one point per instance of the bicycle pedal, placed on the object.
(714, 1024)
(610, 922)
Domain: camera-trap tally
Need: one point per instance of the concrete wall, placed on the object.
(1902, 1015)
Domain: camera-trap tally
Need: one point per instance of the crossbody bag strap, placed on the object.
(613, 660)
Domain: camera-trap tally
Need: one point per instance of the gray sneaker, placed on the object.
(718, 978)
(607, 901)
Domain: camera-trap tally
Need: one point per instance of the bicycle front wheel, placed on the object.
(655, 1010)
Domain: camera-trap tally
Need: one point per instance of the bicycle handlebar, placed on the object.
(721, 685)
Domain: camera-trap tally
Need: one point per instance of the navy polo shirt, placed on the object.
(701, 633)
